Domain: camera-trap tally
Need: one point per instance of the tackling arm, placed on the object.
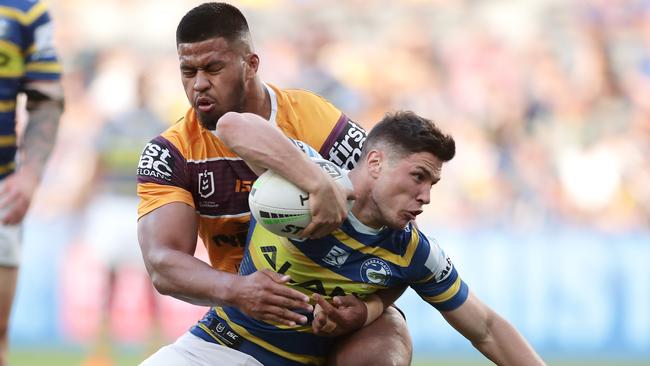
(491, 334)
(167, 238)
(263, 147)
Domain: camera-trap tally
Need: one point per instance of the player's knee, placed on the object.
(386, 342)
(393, 318)
(392, 322)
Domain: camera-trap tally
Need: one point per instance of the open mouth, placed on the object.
(411, 215)
(204, 104)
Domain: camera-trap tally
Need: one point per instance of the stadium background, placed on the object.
(545, 210)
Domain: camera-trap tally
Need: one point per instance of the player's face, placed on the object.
(403, 186)
(213, 75)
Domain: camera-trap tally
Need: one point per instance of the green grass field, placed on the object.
(33, 357)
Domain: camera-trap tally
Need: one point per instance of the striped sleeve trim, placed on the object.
(43, 67)
(445, 296)
(7, 106)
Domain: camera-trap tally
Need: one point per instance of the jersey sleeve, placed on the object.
(435, 278)
(344, 142)
(41, 62)
(320, 124)
(162, 176)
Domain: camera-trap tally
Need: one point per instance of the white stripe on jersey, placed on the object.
(213, 159)
(243, 214)
(437, 261)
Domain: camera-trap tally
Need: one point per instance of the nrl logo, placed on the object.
(206, 184)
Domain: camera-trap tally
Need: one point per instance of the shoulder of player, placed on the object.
(302, 99)
(24, 11)
(417, 241)
(409, 234)
(184, 133)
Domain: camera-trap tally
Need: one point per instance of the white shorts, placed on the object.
(111, 230)
(190, 350)
(9, 243)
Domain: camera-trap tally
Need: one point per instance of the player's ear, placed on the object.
(252, 61)
(374, 160)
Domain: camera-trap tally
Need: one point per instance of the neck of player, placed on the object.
(364, 208)
(258, 100)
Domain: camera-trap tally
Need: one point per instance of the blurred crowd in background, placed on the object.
(548, 100)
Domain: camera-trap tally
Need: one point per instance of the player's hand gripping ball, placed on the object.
(281, 207)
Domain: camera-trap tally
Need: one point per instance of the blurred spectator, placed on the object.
(110, 226)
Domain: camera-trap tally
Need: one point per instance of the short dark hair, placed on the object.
(407, 133)
(211, 20)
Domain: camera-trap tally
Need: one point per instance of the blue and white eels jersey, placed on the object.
(355, 259)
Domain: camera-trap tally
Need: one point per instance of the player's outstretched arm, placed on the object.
(167, 237)
(263, 146)
(491, 334)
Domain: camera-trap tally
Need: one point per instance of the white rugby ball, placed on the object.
(281, 207)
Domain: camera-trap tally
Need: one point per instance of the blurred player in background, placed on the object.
(110, 226)
(191, 184)
(29, 68)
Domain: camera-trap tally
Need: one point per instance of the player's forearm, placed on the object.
(504, 345)
(41, 131)
(187, 278)
(262, 145)
(380, 300)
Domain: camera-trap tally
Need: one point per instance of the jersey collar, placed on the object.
(274, 104)
(362, 228)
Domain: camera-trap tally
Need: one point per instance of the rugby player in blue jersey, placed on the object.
(378, 247)
(28, 66)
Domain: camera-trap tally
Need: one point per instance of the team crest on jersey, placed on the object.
(375, 271)
(336, 257)
(206, 184)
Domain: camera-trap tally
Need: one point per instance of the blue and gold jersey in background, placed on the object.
(26, 54)
(353, 260)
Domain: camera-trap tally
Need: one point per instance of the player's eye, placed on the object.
(214, 70)
(188, 73)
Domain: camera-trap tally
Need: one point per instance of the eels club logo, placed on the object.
(375, 271)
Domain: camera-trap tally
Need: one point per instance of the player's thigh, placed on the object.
(9, 260)
(190, 350)
(385, 342)
(8, 277)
